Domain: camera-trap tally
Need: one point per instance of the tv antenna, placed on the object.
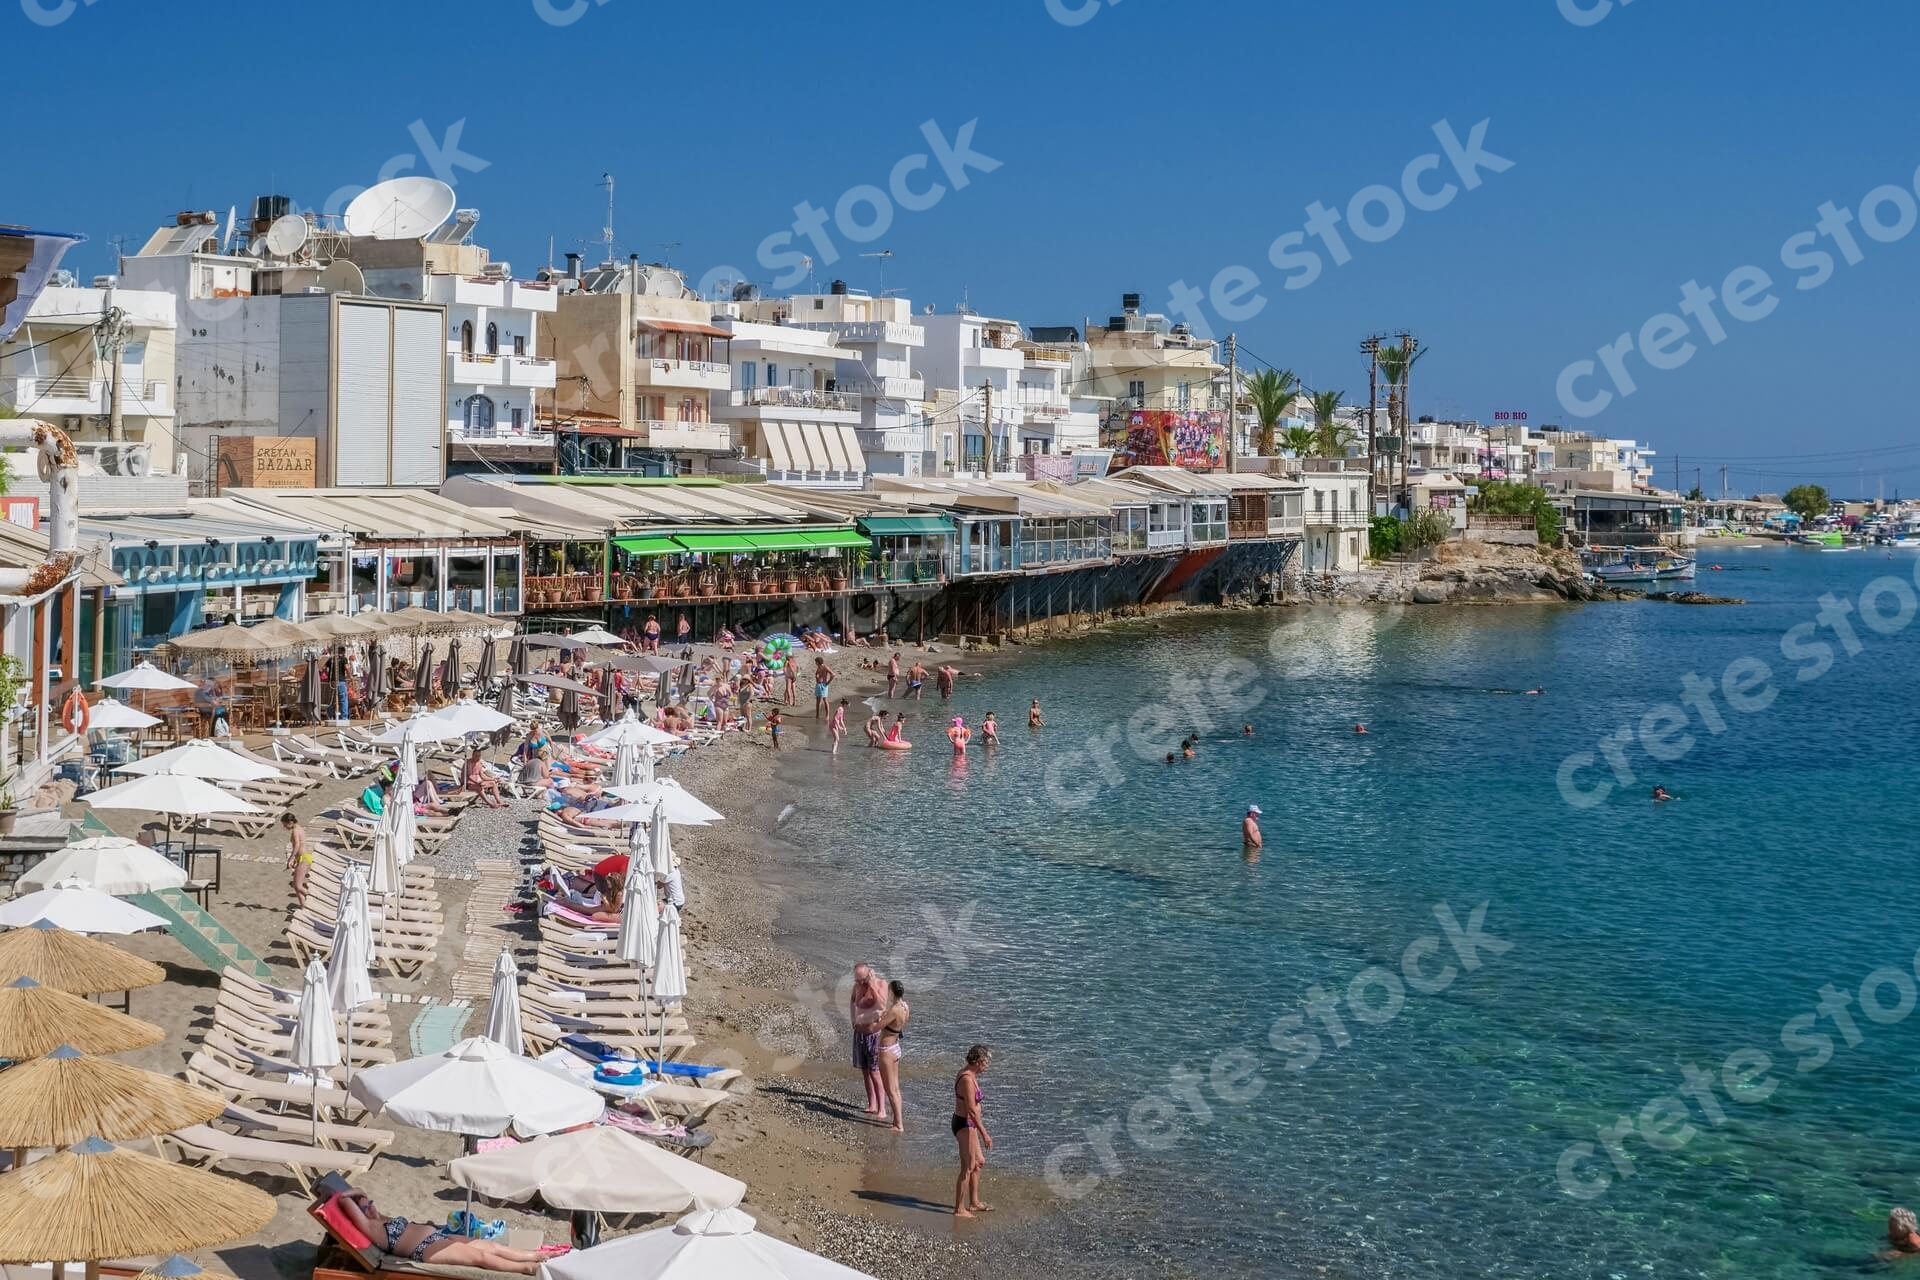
(666, 252)
(882, 255)
(606, 232)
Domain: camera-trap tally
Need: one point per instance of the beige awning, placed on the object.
(773, 443)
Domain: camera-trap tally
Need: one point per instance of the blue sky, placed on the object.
(1151, 143)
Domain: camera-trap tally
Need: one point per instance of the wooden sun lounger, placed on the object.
(231, 1010)
(415, 875)
(275, 1044)
(303, 1129)
(211, 1149)
(246, 994)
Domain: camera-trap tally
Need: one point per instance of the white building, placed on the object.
(1337, 508)
(53, 368)
(1062, 415)
(882, 338)
(494, 365)
(975, 365)
(786, 408)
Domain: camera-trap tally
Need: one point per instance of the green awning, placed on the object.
(836, 538)
(784, 540)
(649, 546)
(715, 543)
(906, 526)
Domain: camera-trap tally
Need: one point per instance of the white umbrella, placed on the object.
(384, 878)
(626, 764)
(109, 713)
(477, 1088)
(425, 727)
(637, 732)
(659, 843)
(667, 984)
(399, 821)
(503, 1013)
(470, 717)
(173, 793)
(203, 759)
(682, 806)
(644, 774)
(711, 1242)
(598, 1170)
(349, 985)
(316, 1041)
(596, 635)
(110, 864)
(639, 915)
(143, 675)
(78, 907)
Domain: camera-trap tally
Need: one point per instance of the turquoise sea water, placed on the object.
(1105, 945)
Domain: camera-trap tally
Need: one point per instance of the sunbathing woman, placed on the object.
(424, 1242)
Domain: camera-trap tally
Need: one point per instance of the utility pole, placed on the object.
(1723, 483)
(110, 336)
(1233, 398)
(1370, 348)
(1411, 345)
(986, 416)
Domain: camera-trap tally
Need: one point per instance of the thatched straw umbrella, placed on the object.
(73, 963)
(174, 1268)
(67, 1097)
(95, 1201)
(36, 1020)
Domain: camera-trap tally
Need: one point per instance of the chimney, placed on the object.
(573, 267)
(633, 275)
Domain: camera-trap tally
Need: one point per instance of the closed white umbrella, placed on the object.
(399, 820)
(477, 1088)
(598, 1170)
(349, 985)
(626, 764)
(639, 915)
(202, 758)
(110, 864)
(644, 774)
(143, 675)
(667, 984)
(659, 846)
(709, 1243)
(384, 878)
(503, 1013)
(109, 713)
(316, 1041)
(78, 907)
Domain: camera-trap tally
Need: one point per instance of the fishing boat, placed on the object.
(1621, 565)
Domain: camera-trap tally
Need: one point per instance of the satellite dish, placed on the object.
(400, 209)
(286, 235)
(342, 277)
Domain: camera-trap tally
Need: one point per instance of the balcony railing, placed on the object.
(667, 434)
(1049, 355)
(795, 398)
(83, 395)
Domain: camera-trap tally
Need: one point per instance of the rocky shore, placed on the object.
(1459, 573)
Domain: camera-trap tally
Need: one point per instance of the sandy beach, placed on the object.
(819, 1174)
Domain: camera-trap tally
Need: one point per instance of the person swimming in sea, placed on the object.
(1359, 728)
(1660, 793)
(1903, 1234)
(1246, 731)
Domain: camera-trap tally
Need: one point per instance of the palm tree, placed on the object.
(1394, 364)
(1300, 441)
(1271, 391)
(1333, 437)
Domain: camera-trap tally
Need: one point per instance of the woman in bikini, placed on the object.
(970, 1130)
(893, 1029)
(837, 726)
(424, 1242)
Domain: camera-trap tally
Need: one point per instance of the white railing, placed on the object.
(668, 434)
(795, 398)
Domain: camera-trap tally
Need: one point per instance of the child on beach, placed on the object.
(773, 726)
(989, 731)
(299, 857)
(837, 727)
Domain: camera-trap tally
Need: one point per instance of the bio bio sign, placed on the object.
(1508, 415)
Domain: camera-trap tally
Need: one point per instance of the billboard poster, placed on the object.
(1194, 439)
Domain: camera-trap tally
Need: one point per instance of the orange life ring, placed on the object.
(75, 714)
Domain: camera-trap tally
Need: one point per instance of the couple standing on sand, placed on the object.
(879, 1013)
